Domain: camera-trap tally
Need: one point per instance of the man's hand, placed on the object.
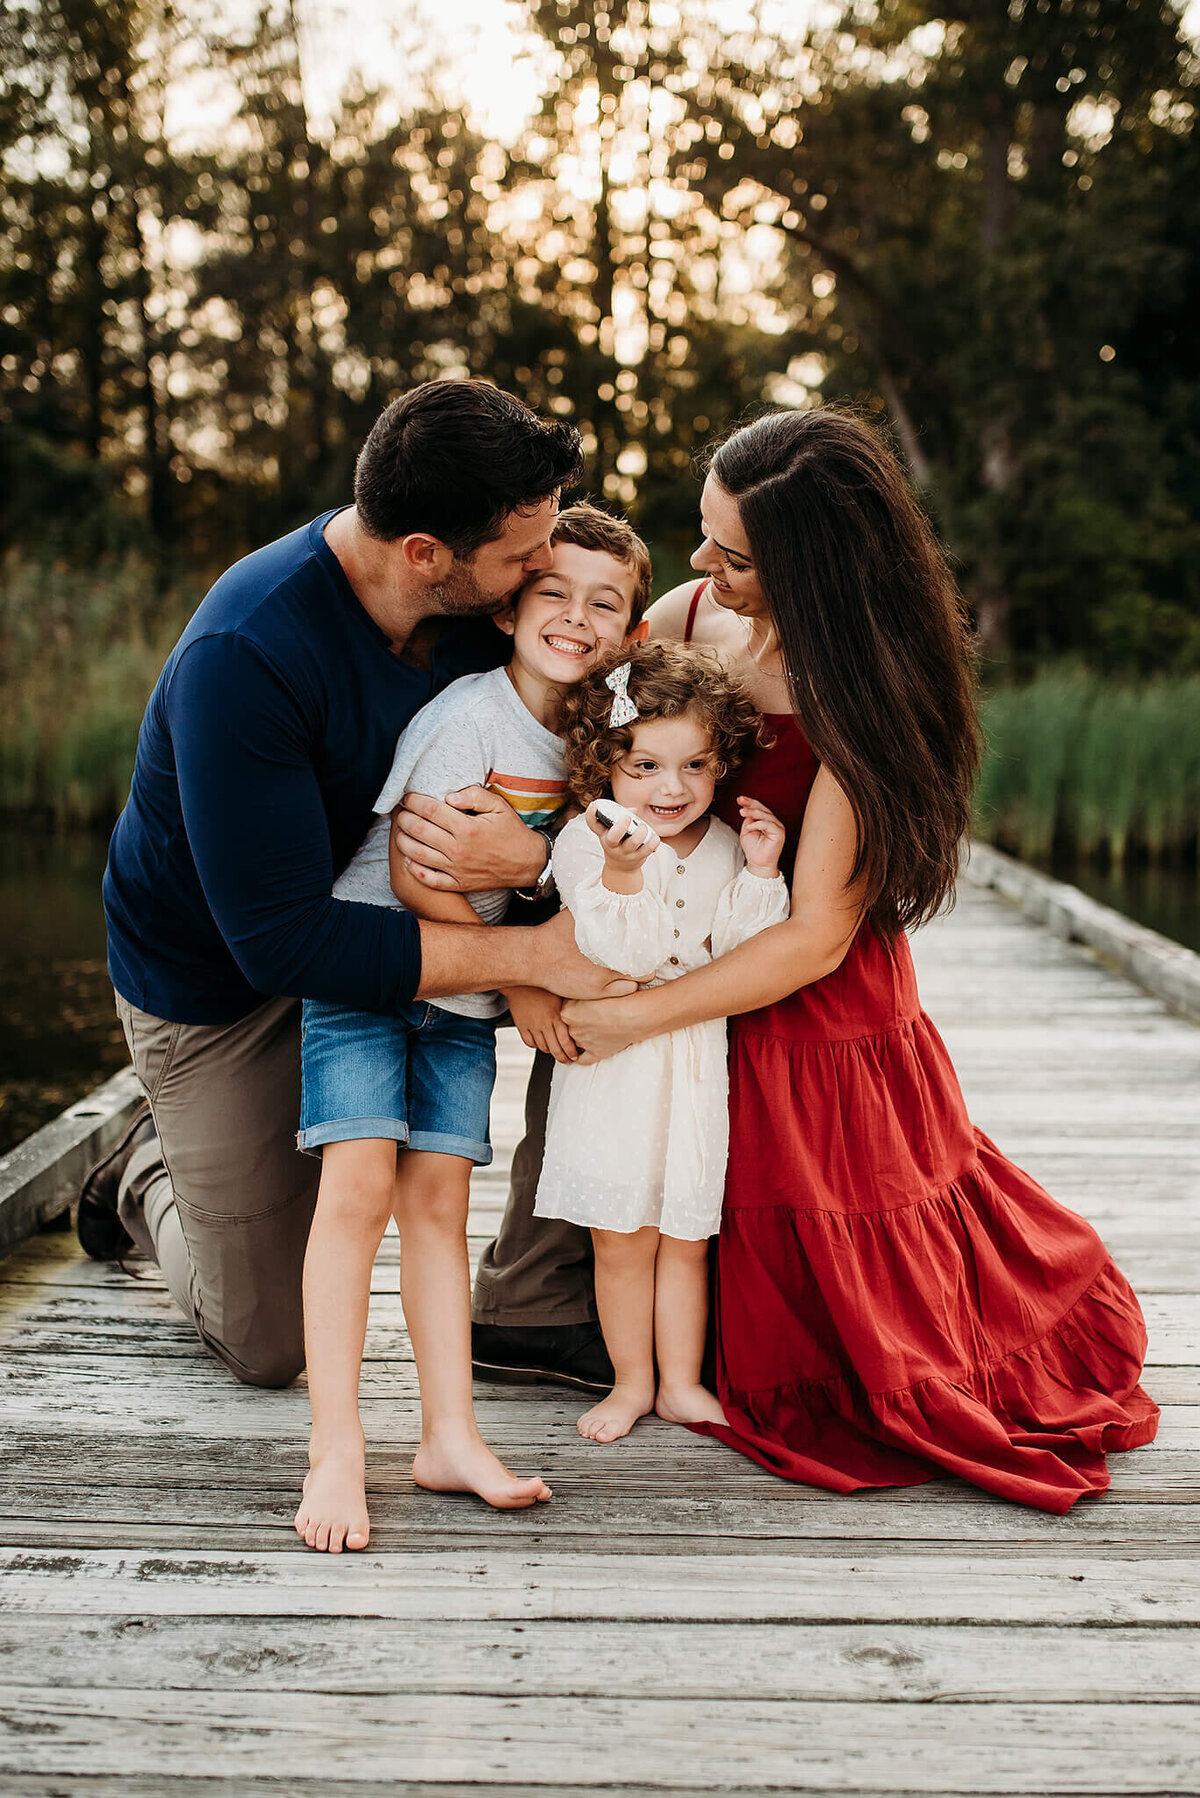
(466, 843)
(538, 1017)
(603, 1027)
(564, 969)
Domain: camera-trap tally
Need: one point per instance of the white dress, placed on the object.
(642, 1137)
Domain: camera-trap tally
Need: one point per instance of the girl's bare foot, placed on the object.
(616, 1415)
(688, 1404)
(333, 1507)
(466, 1464)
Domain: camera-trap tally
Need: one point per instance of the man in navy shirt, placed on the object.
(262, 750)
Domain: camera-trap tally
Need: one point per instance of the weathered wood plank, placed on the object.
(951, 1664)
(995, 1748)
(668, 1515)
(133, 1785)
(1172, 1319)
(460, 1586)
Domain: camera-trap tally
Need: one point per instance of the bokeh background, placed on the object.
(229, 234)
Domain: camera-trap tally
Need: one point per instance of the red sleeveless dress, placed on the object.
(894, 1299)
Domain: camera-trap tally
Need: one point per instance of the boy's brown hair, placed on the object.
(665, 681)
(589, 528)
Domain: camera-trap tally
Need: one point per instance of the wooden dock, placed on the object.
(676, 1621)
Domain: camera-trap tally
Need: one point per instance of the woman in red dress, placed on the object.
(894, 1298)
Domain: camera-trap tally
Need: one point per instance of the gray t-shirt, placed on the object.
(477, 732)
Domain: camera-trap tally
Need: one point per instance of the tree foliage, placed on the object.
(978, 222)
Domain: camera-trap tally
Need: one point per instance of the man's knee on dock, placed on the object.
(265, 1364)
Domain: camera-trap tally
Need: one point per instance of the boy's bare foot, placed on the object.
(333, 1508)
(688, 1404)
(616, 1415)
(467, 1464)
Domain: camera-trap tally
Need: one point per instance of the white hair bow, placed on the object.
(623, 709)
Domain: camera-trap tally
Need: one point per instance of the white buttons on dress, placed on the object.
(679, 905)
(674, 961)
(680, 869)
(676, 933)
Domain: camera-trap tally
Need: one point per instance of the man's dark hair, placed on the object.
(454, 458)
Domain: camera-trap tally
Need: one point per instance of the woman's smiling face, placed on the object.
(724, 556)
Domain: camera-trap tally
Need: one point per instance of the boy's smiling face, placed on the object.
(568, 615)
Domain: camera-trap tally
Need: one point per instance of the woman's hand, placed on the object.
(761, 838)
(468, 842)
(603, 1027)
(539, 1020)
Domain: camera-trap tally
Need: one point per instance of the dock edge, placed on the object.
(1166, 969)
(41, 1177)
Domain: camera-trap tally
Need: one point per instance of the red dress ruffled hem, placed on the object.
(1034, 1427)
(894, 1298)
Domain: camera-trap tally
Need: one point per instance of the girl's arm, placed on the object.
(626, 930)
(811, 943)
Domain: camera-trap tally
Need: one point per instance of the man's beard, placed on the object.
(461, 596)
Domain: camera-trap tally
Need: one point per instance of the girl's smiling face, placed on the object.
(667, 775)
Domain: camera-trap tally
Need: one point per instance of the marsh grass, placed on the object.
(79, 656)
(1078, 763)
(1074, 762)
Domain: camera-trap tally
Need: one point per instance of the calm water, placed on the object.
(1166, 899)
(59, 1036)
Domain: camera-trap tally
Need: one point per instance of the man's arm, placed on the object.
(258, 834)
(259, 837)
(470, 840)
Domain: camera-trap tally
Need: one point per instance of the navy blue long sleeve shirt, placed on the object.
(263, 748)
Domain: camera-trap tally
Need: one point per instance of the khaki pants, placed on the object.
(223, 1199)
(538, 1271)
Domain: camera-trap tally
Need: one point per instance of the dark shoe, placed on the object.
(566, 1354)
(100, 1230)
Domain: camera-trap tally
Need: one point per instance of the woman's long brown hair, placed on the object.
(874, 640)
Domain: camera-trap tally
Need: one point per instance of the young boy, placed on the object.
(397, 1105)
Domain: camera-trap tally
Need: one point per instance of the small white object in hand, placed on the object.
(609, 813)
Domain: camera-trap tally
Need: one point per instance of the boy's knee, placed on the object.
(435, 1198)
(364, 1204)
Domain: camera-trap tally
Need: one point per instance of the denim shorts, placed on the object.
(420, 1076)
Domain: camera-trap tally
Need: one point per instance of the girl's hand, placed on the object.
(623, 854)
(538, 1018)
(761, 838)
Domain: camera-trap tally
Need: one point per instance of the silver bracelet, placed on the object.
(543, 886)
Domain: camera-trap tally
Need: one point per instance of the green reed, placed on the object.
(1073, 761)
(1079, 762)
(79, 655)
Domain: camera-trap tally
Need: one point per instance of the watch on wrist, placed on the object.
(543, 886)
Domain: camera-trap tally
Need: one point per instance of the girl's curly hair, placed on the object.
(665, 681)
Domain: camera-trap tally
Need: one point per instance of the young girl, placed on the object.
(636, 1145)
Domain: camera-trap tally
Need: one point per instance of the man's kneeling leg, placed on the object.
(534, 1309)
(222, 1198)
